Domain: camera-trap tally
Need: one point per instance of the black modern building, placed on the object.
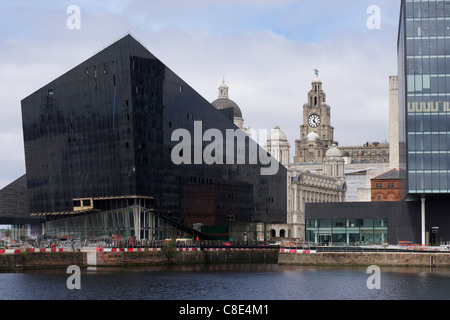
(99, 149)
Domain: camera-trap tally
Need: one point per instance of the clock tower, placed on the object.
(316, 133)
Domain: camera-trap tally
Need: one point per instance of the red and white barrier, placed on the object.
(282, 250)
(127, 249)
(100, 249)
(215, 249)
(32, 250)
(187, 249)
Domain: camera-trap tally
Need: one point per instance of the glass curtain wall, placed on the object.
(105, 224)
(425, 31)
(347, 231)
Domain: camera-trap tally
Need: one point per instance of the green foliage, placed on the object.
(25, 255)
(170, 249)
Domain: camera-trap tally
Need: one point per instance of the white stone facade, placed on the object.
(278, 146)
(327, 185)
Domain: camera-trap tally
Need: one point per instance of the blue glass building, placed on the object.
(424, 105)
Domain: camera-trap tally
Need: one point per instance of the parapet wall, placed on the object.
(393, 259)
(38, 259)
(26, 260)
(124, 258)
(201, 256)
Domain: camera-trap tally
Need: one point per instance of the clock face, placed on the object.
(314, 121)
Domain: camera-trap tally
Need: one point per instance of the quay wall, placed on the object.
(203, 256)
(392, 259)
(37, 260)
(27, 260)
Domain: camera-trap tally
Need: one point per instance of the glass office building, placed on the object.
(424, 86)
(424, 110)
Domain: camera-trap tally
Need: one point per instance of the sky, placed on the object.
(266, 50)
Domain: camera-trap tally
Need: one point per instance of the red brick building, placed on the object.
(386, 187)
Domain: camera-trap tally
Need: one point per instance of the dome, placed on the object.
(333, 152)
(312, 136)
(225, 103)
(277, 134)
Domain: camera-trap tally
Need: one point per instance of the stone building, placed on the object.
(278, 146)
(316, 133)
(374, 152)
(325, 185)
(308, 187)
(223, 102)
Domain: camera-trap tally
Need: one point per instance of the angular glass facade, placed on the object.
(107, 223)
(424, 90)
(101, 134)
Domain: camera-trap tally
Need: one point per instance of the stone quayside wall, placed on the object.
(26, 260)
(159, 257)
(63, 259)
(388, 259)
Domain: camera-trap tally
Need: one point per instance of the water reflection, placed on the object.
(233, 281)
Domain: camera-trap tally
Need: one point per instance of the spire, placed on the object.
(223, 90)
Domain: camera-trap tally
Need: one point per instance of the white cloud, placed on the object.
(267, 60)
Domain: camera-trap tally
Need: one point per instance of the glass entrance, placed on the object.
(324, 238)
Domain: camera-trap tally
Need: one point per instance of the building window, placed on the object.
(349, 231)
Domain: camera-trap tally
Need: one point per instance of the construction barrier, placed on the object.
(282, 250)
(31, 250)
(100, 249)
(127, 249)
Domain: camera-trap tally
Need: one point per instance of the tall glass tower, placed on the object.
(424, 98)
